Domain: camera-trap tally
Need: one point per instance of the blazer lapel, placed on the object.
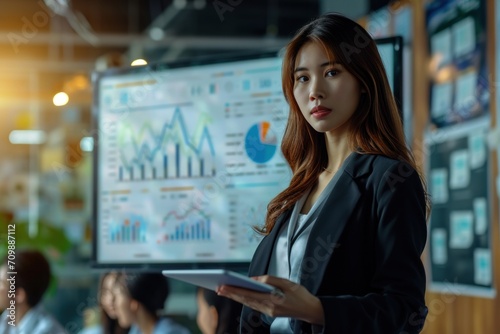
(331, 222)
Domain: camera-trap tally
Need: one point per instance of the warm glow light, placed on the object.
(435, 63)
(60, 99)
(139, 62)
(27, 137)
(445, 74)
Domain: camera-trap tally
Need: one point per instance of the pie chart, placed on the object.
(260, 142)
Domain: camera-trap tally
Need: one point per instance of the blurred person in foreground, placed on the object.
(138, 300)
(216, 314)
(21, 294)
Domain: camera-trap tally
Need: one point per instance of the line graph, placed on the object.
(194, 224)
(152, 150)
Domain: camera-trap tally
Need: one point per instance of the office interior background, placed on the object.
(49, 47)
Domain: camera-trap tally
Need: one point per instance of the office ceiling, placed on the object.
(51, 45)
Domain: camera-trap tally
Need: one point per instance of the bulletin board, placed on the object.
(460, 237)
(459, 89)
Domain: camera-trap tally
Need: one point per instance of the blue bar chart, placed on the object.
(131, 230)
(191, 225)
(199, 230)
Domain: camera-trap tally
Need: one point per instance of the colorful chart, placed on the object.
(260, 143)
(143, 149)
(185, 231)
(192, 224)
(130, 230)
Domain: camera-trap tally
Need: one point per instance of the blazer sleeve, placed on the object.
(396, 303)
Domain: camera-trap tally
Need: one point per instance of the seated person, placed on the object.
(138, 298)
(21, 293)
(216, 314)
(108, 322)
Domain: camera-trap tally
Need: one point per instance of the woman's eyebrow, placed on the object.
(331, 63)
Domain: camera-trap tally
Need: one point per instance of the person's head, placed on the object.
(139, 293)
(106, 298)
(31, 280)
(332, 62)
(216, 314)
(348, 46)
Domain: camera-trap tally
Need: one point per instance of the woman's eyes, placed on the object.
(332, 73)
(329, 73)
(301, 78)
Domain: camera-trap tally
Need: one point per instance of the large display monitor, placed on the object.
(186, 158)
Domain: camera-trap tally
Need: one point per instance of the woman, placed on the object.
(138, 299)
(216, 315)
(343, 241)
(109, 323)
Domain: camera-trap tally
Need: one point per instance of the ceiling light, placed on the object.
(139, 62)
(28, 137)
(60, 99)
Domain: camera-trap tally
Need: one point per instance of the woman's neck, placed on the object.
(338, 150)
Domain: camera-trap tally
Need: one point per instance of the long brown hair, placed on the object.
(109, 325)
(375, 127)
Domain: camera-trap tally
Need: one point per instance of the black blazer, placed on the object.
(362, 257)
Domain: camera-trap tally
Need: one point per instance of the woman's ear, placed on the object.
(21, 296)
(134, 305)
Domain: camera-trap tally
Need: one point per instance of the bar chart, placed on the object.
(190, 224)
(130, 230)
(185, 231)
(195, 166)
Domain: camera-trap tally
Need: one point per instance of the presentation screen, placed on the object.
(186, 158)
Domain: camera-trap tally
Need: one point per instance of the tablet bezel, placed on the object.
(212, 278)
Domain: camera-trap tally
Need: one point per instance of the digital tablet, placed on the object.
(212, 278)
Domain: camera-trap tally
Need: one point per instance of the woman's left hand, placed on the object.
(294, 302)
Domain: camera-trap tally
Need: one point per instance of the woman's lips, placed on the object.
(320, 111)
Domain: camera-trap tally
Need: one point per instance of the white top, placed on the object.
(35, 321)
(286, 259)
